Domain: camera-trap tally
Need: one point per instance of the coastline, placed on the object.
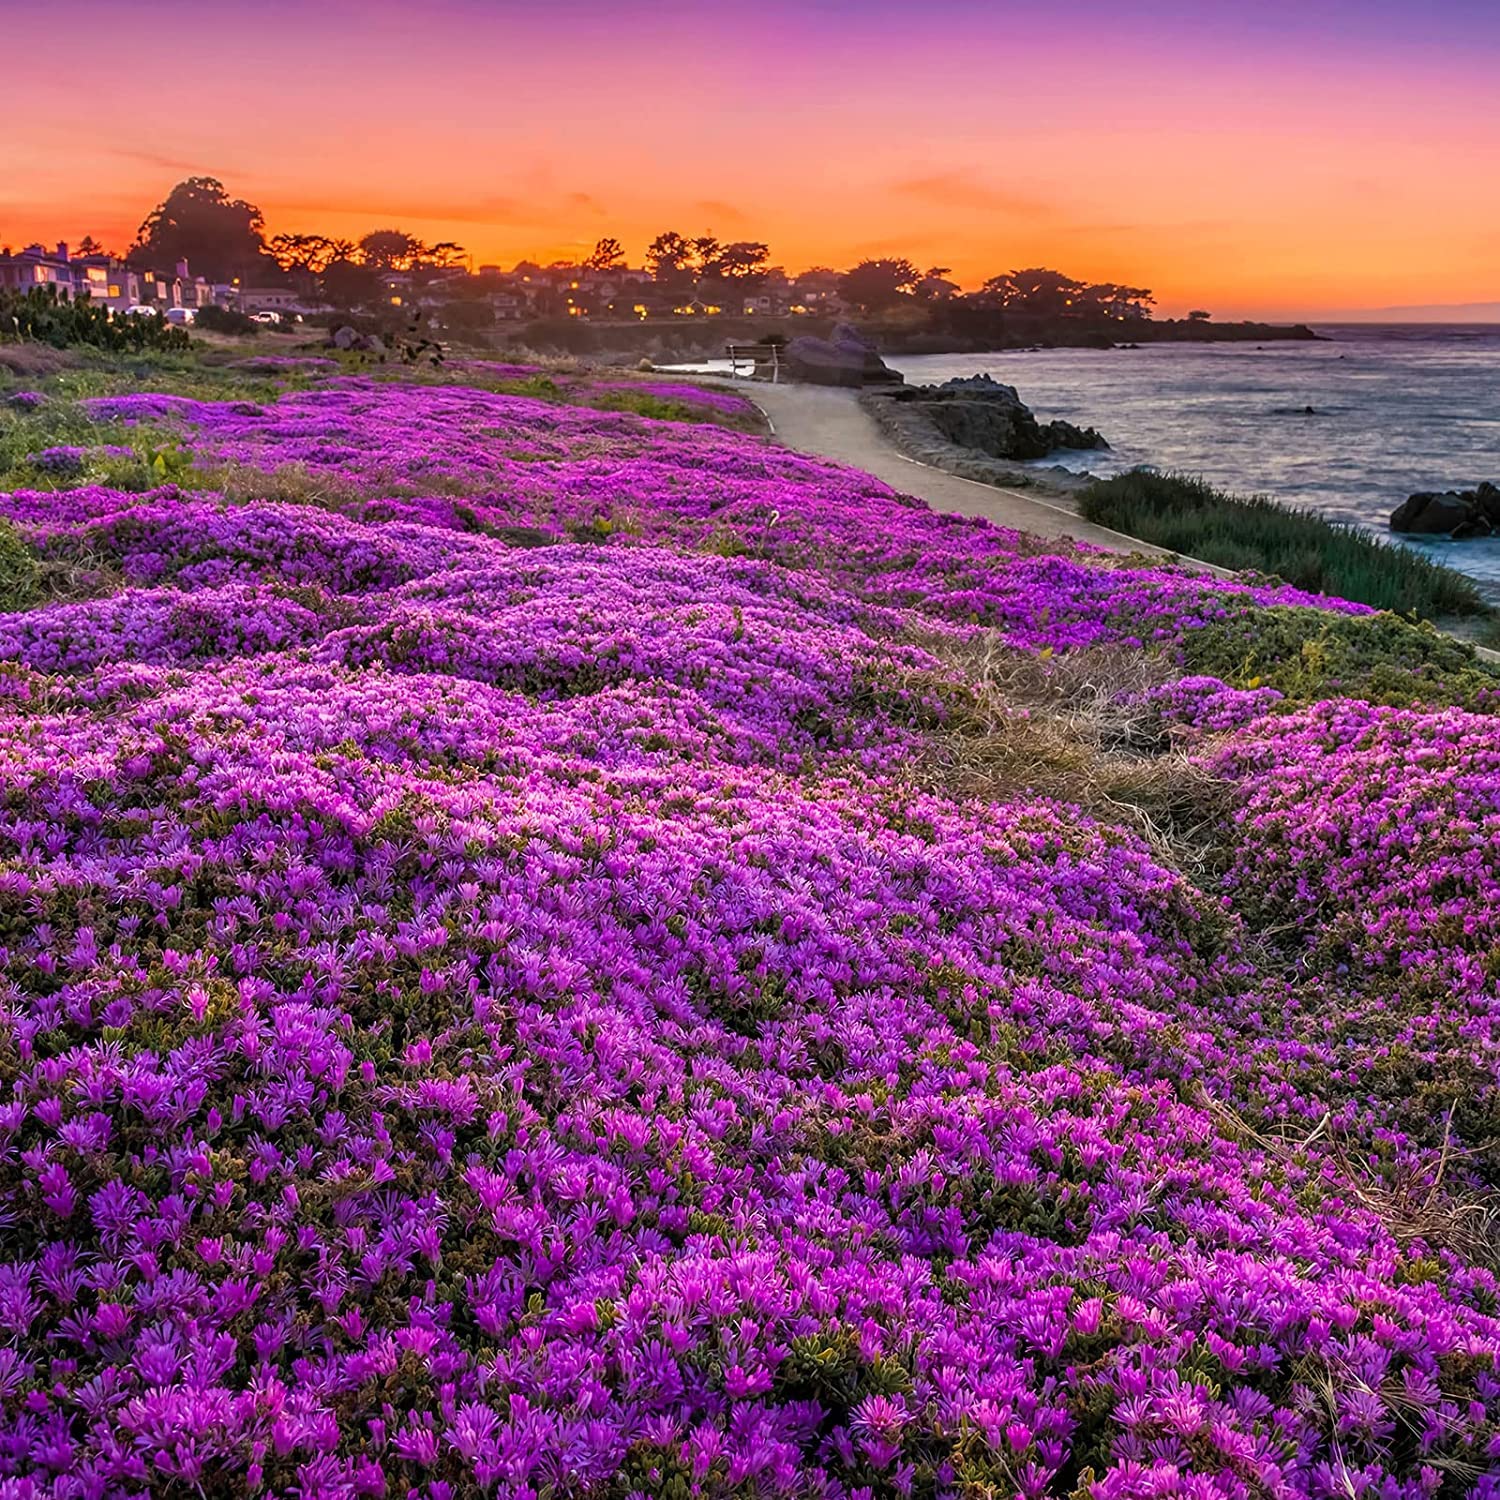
(833, 423)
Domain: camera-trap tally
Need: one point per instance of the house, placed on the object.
(106, 280)
(816, 291)
(395, 287)
(160, 291)
(508, 306)
(269, 299)
(25, 270)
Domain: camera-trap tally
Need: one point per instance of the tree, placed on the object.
(349, 283)
(446, 255)
(1199, 315)
(88, 245)
(218, 236)
(1116, 301)
(669, 256)
(1034, 292)
(606, 255)
(877, 285)
(744, 261)
(312, 253)
(390, 250)
(706, 250)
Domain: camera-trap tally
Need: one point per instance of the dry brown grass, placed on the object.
(1411, 1197)
(33, 359)
(63, 582)
(1067, 728)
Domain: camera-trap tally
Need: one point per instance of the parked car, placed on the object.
(140, 310)
(266, 316)
(182, 315)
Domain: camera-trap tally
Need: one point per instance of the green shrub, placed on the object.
(1312, 654)
(1188, 516)
(226, 320)
(40, 314)
(18, 570)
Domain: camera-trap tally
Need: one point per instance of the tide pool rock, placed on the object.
(1457, 513)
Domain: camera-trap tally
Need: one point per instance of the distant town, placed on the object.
(202, 249)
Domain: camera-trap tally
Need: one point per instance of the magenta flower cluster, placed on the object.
(485, 1011)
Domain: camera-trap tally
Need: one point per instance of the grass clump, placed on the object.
(1074, 728)
(1312, 654)
(27, 581)
(644, 404)
(18, 570)
(1253, 532)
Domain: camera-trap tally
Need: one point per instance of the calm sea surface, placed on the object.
(1395, 409)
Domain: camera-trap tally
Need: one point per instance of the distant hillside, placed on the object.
(1432, 312)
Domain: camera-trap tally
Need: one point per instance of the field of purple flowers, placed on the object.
(507, 988)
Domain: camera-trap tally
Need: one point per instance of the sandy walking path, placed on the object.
(830, 423)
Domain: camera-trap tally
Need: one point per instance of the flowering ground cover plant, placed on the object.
(508, 987)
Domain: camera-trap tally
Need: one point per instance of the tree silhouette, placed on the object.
(219, 236)
(669, 256)
(706, 250)
(390, 250)
(877, 285)
(345, 282)
(744, 261)
(606, 255)
(307, 252)
(1036, 291)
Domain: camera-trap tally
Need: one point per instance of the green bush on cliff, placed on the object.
(1188, 516)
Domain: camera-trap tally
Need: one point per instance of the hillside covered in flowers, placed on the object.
(550, 947)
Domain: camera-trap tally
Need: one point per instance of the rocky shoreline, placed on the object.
(980, 429)
(1459, 514)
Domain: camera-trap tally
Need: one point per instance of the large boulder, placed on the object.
(846, 357)
(1456, 513)
(981, 413)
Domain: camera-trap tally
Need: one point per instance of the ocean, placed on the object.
(1395, 408)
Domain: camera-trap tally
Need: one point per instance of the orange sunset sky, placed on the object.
(1264, 159)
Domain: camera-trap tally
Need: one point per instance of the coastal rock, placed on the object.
(350, 338)
(846, 357)
(1457, 513)
(983, 414)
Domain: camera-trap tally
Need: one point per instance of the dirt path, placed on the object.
(830, 423)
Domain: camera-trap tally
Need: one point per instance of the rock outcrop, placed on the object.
(1455, 513)
(983, 414)
(846, 357)
(980, 429)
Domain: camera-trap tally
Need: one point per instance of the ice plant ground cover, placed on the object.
(527, 968)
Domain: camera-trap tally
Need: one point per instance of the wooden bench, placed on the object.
(757, 355)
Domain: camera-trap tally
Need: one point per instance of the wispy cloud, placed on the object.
(507, 211)
(718, 209)
(178, 164)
